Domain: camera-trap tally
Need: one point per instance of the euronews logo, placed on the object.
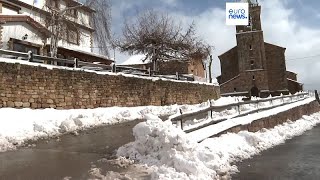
(237, 13)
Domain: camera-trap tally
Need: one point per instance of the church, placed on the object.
(254, 67)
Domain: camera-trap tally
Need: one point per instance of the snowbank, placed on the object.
(19, 125)
(171, 155)
(212, 130)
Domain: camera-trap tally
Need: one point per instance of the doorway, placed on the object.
(254, 91)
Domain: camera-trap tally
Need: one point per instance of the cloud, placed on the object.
(170, 2)
(281, 27)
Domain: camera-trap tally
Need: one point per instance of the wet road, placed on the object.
(297, 159)
(67, 156)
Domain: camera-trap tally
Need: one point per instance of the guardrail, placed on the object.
(181, 118)
(90, 66)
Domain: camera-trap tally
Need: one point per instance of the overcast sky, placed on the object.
(294, 24)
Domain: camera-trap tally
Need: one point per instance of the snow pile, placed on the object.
(19, 125)
(167, 149)
(171, 155)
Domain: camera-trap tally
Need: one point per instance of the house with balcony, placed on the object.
(25, 26)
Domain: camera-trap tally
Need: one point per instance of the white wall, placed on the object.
(83, 19)
(17, 30)
(84, 44)
(7, 11)
(34, 15)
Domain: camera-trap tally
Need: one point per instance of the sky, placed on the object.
(294, 24)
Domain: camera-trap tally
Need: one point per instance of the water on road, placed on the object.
(67, 156)
(297, 159)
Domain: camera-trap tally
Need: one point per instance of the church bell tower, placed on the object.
(250, 42)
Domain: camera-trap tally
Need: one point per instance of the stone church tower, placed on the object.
(254, 66)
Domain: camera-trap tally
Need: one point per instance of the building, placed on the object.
(24, 26)
(195, 67)
(254, 66)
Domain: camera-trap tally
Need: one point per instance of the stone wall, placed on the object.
(251, 50)
(274, 120)
(245, 81)
(197, 67)
(276, 67)
(171, 67)
(39, 87)
(229, 65)
(291, 75)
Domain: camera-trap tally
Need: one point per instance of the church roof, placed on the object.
(274, 45)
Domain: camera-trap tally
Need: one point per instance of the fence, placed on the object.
(75, 63)
(209, 110)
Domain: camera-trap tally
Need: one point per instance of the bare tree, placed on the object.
(159, 37)
(101, 22)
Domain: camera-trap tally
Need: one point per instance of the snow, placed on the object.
(172, 154)
(20, 125)
(229, 113)
(209, 131)
(136, 59)
(8, 60)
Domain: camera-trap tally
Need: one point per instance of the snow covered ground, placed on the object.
(170, 154)
(19, 125)
(231, 113)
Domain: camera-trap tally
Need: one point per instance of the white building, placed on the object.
(24, 27)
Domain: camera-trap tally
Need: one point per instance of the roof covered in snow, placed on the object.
(136, 59)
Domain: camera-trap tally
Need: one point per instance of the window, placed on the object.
(253, 77)
(73, 36)
(64, 33)
(250, 47)
(53, 3)
(70, 34)
(252, 64)
(25, 48)
(249, 22)
(235, 89)
(72, 12)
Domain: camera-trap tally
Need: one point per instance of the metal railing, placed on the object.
(214, 108)
(76, 63)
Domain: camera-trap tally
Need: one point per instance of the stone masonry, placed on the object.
(24, 86)
(255, 67)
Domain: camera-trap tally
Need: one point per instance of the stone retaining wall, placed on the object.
(39, 87)
(274, 120)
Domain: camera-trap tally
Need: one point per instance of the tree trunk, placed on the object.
(209, 70)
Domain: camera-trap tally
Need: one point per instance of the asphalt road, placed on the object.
(68, 156)
(297, 159)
